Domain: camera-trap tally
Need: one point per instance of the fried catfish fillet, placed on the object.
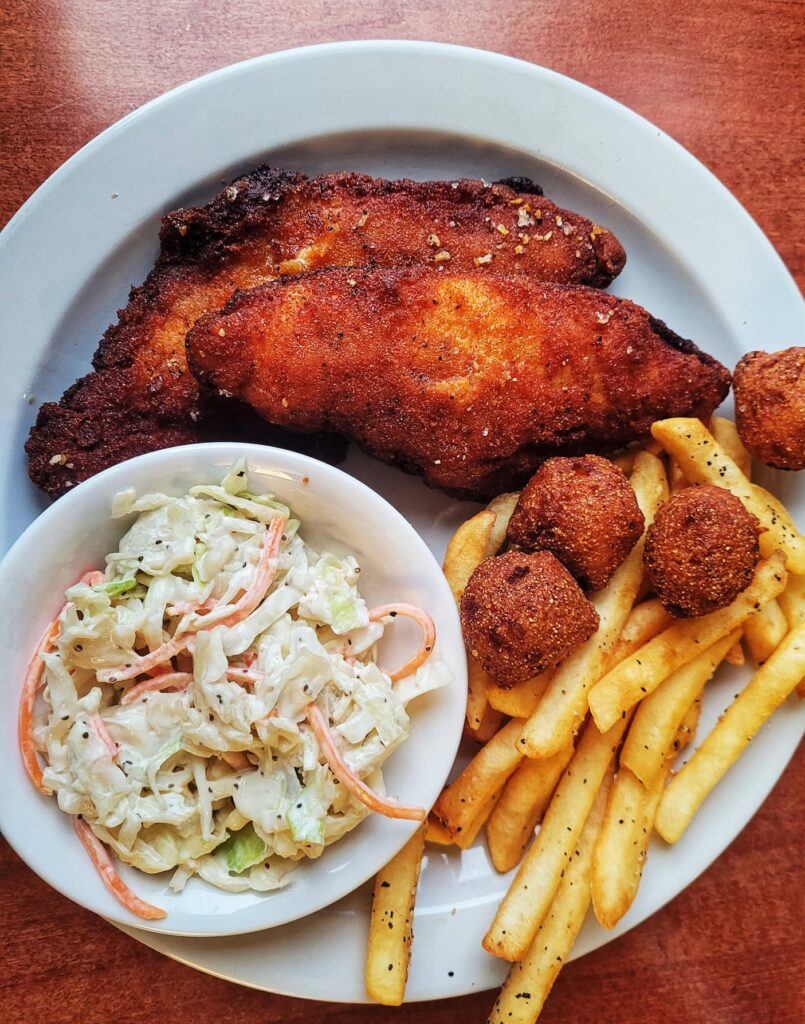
(267, 223)
(469, 379)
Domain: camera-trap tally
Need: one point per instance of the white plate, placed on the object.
(77, 533)
(696, 259)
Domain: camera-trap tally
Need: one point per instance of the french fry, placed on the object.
(465, 552)
(616, 856)
(490, 725)
(526, 903)
(792, 602)
(676, 478)
(660, 714)
(388, 949)
(466, 838)
(735, 655)
(459, 803)
(704, 461)
(643, 671)
(503, 506)
(477, 703)
(764, 632)
(622, 844)
(726, 433)
(520, 700)
(645, 621)
(529, 982)
(763, 694)
(436, 833)
(562, 709)
(521, 805)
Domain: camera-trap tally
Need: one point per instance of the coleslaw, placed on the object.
(212, 702)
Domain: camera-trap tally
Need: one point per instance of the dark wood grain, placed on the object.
(726, 80)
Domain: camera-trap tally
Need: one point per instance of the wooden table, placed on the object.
(725, 79)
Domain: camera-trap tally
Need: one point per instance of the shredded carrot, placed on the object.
(97, 724)
(30, 688)
(420, 616)
(264, 574)
(163, 681)
(141, 665)
(382, 804)
(110, 878)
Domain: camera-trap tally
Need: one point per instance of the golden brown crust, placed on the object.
(470, 379)
(584, 511)
(770, 406)
(521, 613)
(254, 230)
(701, 550)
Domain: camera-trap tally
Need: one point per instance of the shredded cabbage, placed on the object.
(219, 776)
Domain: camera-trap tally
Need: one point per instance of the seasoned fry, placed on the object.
(676, 478)
(490, 724)
(622, 845)
(521, 805)
(645, 621)
(735, 655)
(661, 713)
(765, 692)
(563, 707)
(525, 904)
(529, 982)
(703, 460)
(388, 949)
(726, 433)
(792, 602)
(477, 704)
(764, 632)
(502, 506)
(644, 670)
(458, 804)
(466, 550)
(616, 862)
(466, 838)
(520, 700)
(436, 833)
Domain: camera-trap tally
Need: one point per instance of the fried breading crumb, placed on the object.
(770, 406)
(521, 613)
(584, 511)
(701, 550)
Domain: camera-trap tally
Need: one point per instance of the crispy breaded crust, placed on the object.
(522, 613)
(701, 550)
(272, 222)
(770, 406)
(470, 379)
(584, 511)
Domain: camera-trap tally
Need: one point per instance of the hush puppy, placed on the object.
(584, 511)
(770, 406)
(701, 551)
(521, 613)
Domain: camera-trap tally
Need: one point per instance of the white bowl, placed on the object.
(336, 510)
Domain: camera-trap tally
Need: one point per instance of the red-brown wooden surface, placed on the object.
(726, 80)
